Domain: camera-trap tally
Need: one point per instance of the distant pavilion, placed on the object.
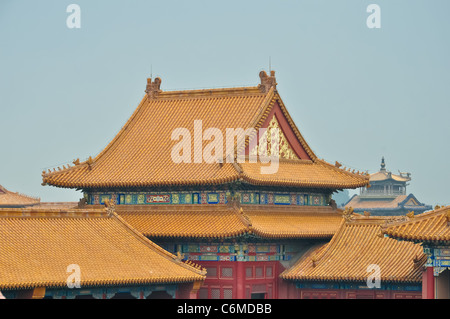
(386, 195)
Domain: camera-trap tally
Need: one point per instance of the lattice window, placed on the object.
(227, 272)
(211, 272)
(215, 293)
(259, 272)
(227, 293)
(269, 272)
(248, 272)
(203, 293)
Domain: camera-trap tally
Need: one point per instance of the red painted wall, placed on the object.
(428, 284)
(239, 280)
(358, 294)
(244, 280)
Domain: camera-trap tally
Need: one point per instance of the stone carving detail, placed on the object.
(267, 81)
(395, 219)
(110, 207)
(153, 88)
(348, 214)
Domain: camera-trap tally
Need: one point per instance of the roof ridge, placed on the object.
(308, 254)
(420, 217)
(331, 243)
(210, 91)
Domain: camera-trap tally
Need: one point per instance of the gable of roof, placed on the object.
(38, 245)
(356, 245)
(140, 154)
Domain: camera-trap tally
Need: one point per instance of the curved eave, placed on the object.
(103, 282)
(307, 184)
(81, 185)
(433, 240)
(251, 231)
(293, 235)
(182, 235)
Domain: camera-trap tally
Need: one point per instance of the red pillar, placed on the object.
(428, 284)
(240, 280)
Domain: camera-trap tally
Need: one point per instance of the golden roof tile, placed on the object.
(355, 246)
(217, 221)
(11, 199)
(357, 202)
(433, 226)
(307, 173)
(140, 154)
(37, 246)
(220, 221)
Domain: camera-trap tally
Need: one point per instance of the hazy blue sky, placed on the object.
(355, 93)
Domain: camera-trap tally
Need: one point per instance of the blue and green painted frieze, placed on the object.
(216, 197)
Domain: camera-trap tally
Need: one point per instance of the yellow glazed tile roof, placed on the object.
(140, 154)
(184, 221)
(37, 246)
(11, 199)
(384, 175)
(220, 221)
(433, 226)
(357, 202)
(294, 222)
(357, 245)
(316, 173)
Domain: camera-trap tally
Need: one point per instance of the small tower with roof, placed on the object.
(384, 184)
(386, 195)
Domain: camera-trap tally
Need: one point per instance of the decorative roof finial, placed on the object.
(153, 87)
(110, 207)
(348, 214)
(383, 165)
(267, 81)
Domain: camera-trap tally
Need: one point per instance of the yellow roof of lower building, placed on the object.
(38, 246)
(431, 226)
(357, 245)
(221, 221)
(11, 199)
